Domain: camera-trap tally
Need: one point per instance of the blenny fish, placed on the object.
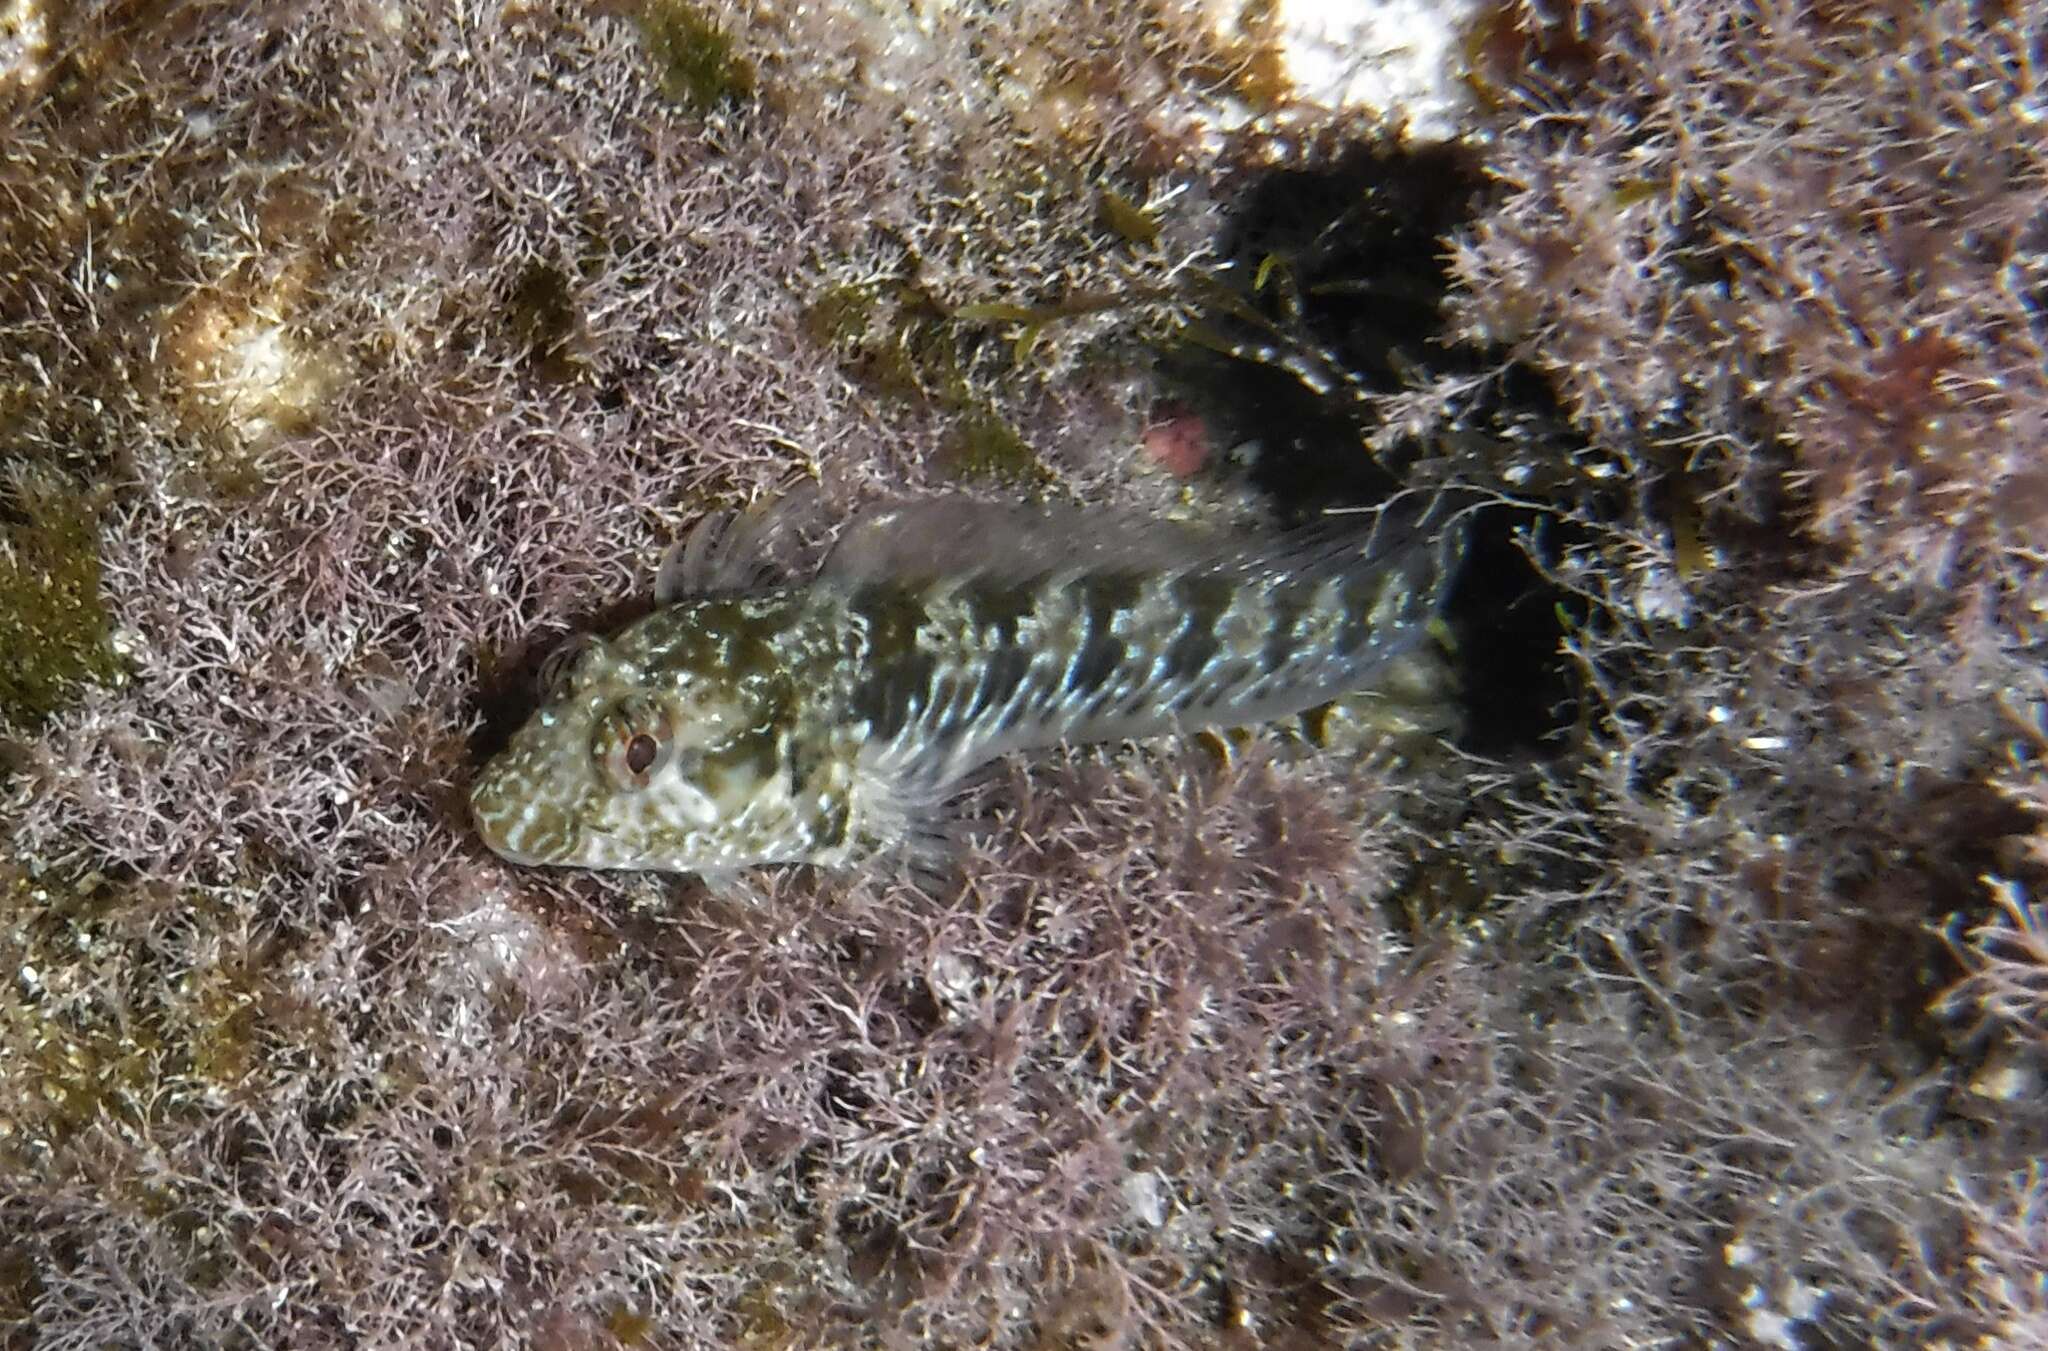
(825, 721)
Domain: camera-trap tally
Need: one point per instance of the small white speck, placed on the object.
(1802, 1302)
(1145, 1195)
(2003, 1083)
(1662, 597)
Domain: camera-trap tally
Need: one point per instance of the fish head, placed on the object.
(629, 763)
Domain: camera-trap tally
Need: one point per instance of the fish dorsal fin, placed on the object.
(961, 537)
(739, 551)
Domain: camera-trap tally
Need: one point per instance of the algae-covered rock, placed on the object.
(54, 630)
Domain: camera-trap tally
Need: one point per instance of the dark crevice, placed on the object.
(1334, 293)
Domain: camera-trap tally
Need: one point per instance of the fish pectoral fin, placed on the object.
(936, 851)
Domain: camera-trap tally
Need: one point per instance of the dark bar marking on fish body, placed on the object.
(897, 677)
(1289, 604)
(1205, 601)
(1003, 671)
(997, 612)
(1359, 606)
(1105, 597)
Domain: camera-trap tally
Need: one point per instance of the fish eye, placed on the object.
(635, 741)
(558, 671)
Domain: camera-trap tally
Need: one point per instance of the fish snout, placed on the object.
(499, 817)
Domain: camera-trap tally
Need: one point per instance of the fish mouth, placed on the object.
(490, 829)
(515, 831)
(497, 845)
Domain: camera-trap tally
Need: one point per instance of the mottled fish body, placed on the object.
(823, 722)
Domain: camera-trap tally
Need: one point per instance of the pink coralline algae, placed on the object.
(1178, 442)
